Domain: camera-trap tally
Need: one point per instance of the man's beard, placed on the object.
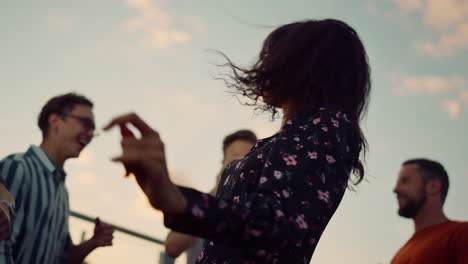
(412, 206)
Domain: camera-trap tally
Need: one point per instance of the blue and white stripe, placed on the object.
(40, 227)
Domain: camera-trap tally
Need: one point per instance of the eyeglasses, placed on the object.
(87, 122)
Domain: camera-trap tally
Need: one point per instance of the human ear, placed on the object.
(433, 187)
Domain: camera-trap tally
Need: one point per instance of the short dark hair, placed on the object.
(431, 170)
(243, 134)
(311, 64)
(60, 105)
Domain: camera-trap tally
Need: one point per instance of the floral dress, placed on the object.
(273, 205)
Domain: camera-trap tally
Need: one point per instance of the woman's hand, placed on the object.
(145, 158)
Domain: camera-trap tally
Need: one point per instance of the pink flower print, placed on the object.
(285, 193)
(241, 175)
(325, 128)
(316, 120)
(290, 160)
(222, 204)
(255, 233)
(197, 212)
(202, 254)
(345, 117)
(312, 155)
(289, 122)
(267, 164)
(330, 159)
(324, 196)
(236, 199)
(335, 123)
(322, 177)
(261, 253)
(263, 179)
(259, 156)
(299, 146)
(238, 165)
(279, 213)
(301, 222)
(277, 174)
(277, 194)
(227, 179)
(313, 241)
(296, 139)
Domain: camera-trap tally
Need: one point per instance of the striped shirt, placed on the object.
(40, 226)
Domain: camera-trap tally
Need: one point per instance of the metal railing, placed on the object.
(163, 258)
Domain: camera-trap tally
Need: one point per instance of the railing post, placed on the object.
(83, 236)
(165, 259)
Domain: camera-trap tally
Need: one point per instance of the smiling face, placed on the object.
(410, 191)
(74, 131)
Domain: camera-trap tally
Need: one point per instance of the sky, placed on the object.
(154, 57)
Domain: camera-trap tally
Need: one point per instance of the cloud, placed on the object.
(442, 14)
(60, 22)
(195, 23)
(447, 44)
(155, 24)
(452, 108)
(427, 85)
(86, 177)
(453, 87)
(449, 21)
(464, 97)
(409, 4)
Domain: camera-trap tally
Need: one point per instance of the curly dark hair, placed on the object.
(60, 105)
(310, 64)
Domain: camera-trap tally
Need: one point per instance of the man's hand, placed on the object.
(5, 221)
(5, 214)
(103, 234)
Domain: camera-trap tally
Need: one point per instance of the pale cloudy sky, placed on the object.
(151, 56)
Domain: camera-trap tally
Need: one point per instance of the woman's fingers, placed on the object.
(136, 121)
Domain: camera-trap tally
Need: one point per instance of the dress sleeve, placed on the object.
(299, 188)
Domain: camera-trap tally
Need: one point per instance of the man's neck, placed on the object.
(53, 153)
(429, 217)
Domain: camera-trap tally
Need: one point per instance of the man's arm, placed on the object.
(7, 203)
(176, 243)
(103, 235)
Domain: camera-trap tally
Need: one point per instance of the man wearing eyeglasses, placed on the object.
(36, 179)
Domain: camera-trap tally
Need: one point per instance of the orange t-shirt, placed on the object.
(445, 243)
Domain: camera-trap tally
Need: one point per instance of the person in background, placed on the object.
(421, 191)
(36, 180)
(235, 146)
